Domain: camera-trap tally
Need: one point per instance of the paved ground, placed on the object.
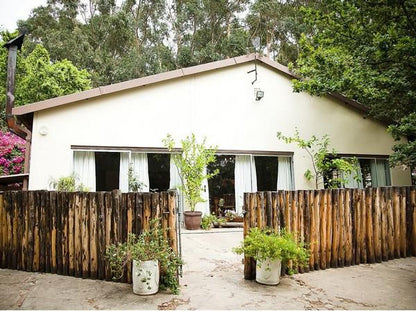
(213, 279)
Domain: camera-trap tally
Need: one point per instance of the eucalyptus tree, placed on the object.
(279, 25)
(207, 30)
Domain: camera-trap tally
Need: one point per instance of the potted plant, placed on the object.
(270, 249)
(233, 216)
(149, 254)
(209, 221)
(192, 164)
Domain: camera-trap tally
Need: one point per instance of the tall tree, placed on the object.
(207, 30)
(365, 50)
(37, 78)
(279, 25)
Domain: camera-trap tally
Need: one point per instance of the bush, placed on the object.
(68, 184)
(12, 151)
(263, 244)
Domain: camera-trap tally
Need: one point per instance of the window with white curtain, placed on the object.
(239, 174)
(245, 179)
(372, 172)
(84, 168)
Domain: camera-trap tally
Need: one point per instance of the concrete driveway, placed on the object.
(213, 279)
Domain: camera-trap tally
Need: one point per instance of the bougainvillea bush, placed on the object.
(12, 151)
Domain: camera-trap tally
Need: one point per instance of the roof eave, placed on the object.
(166, 76)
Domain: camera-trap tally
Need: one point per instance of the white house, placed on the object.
(99, 132)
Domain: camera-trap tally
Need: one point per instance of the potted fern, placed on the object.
(271, 249)
(149, 253)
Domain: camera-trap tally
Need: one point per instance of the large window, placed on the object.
(246, 173)
(372, 172)
(375, 172)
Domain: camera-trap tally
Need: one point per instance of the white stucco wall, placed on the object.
(219, 105)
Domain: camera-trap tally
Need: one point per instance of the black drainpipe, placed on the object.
(12, 46)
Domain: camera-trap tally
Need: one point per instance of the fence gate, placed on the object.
(67, 232)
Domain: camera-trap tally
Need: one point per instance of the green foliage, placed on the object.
(262, 244)
(208, 221)
(278, 24)
(366, 51)
(324, 162)
(68, 184)
(192, 164)
(230, 215)
(149, 245)
(134, 184)
(404, 153)
(37, 78)
(121, 40)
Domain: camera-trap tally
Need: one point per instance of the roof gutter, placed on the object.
(12, 46)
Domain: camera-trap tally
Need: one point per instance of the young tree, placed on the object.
(191, 164)
(324, 162)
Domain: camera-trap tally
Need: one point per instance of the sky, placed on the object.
(13, 10)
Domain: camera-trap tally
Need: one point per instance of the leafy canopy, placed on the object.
(365, 50)
(37, 78)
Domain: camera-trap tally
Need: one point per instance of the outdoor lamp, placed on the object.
(259, 94)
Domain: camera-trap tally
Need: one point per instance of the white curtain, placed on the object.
(124, 172)
(245, 179)
(175, 179)
(84, 168)
(378, 173)
(350, 182)
(284, 173)
(141, 169)
(204, 206)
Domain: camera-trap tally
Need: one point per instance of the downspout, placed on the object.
(12, 46)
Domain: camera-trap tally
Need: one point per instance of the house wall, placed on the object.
(219, 105)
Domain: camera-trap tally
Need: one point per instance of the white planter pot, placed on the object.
(145, 277)
(268, 272)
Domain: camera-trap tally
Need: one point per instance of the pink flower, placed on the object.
(12, 150)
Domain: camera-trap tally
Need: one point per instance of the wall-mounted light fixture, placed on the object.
(43, 130)
(258, 94)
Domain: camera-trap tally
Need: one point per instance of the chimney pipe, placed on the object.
(12, 47)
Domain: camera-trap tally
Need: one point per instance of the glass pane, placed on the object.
(107, 170)
(221, 186)
(159, 172)
(266, 172)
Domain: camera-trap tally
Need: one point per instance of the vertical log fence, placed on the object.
(342, 227)
(67, 233)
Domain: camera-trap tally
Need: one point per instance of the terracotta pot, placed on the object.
(193, 220)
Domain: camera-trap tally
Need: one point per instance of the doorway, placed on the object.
(221, 186)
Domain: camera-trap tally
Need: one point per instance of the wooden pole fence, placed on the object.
(342, 227)
(67, 232)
